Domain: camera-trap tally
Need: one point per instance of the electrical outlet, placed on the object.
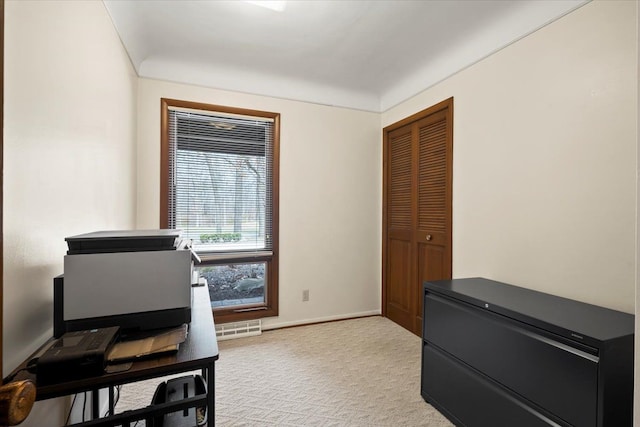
(305, 295)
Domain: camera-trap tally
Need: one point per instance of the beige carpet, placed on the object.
(361, 372)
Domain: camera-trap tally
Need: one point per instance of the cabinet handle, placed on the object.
(429, 237)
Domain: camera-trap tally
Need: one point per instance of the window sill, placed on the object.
(238, 314)
(225, 258)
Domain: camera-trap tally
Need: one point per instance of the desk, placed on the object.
(199, 351)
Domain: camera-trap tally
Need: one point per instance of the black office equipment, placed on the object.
(500, 355)
(177, 389)
(123, 241)
(155, 319)
(76, 355)
(135, 279)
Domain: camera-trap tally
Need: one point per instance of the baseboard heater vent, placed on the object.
(227, 331)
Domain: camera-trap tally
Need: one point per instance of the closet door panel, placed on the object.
(400, 303)
(431, 266)
(416, 210)
(433, 224)
(400, 300)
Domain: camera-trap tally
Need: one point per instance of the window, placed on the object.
(219, 185)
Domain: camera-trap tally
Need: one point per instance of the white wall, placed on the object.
(544, 179)
(69, 157)
(330, 208)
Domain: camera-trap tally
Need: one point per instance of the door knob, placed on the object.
(429, 237)
(16, 400)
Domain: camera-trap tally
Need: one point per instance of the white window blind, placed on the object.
(220, 173)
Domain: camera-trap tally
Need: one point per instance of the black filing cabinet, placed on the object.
(500, 355)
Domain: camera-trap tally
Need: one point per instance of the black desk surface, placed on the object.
(199, 349)
(538, 308)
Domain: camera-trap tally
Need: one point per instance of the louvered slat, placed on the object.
(400, 182)
(432, 177)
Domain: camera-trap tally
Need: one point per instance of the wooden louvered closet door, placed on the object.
(417, 210)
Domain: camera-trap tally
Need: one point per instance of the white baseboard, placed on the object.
(266, 327)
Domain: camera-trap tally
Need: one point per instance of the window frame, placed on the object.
(241, 312)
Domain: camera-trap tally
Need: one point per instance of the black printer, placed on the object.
(135, 279)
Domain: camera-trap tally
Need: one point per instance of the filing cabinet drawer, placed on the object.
(474, 399)
(550, 373)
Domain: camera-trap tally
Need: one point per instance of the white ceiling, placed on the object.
(368, 55)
